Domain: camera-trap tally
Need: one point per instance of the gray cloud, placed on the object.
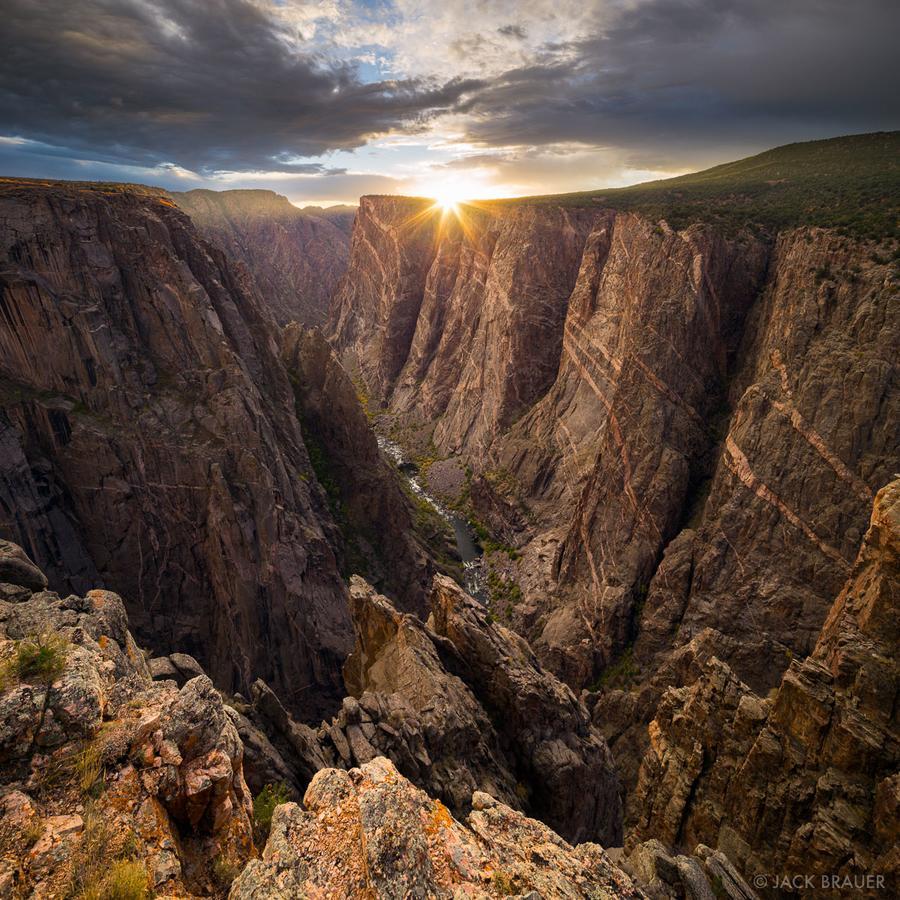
(131, 88)
(668, 78)
(213, 85)
(514, 31)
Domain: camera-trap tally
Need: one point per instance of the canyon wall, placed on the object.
(804, 780)
(150, 442)
(297, 256)
(692, 424)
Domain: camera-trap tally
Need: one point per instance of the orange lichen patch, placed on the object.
(440, 818)
(103, 641)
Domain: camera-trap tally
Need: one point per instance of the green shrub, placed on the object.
(504, 884)
(264, 804)
(39, 658)
(620, 674)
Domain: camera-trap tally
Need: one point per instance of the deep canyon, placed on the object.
(668, 434)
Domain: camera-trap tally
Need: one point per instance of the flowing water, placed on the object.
(467, 547)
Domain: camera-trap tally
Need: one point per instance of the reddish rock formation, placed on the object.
(297, 256)
(805, 781)
(150, 439)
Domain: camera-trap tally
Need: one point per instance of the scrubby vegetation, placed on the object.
(264, 804)
(503, 593)
(848, 183)
(105, 866)
(620, 674)
(40, 658)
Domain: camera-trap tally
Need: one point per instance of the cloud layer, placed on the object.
(333, 96)
(211, 86)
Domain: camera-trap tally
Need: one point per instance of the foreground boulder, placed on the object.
(104, 773)
(370, 833)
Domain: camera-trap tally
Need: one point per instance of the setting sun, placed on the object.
(448, 200)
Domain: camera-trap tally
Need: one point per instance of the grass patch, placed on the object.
(126, 879)
(80, 766)
(224, 871)
(90, 769)
(32, 831)
(103, 866)
(41, 658)
(264, 804)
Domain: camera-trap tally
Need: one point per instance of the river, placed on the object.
(466, 545)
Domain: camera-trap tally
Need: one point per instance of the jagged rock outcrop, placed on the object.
(547, 731)
(100, 767)
(410, 708)
(805, 780)
(368, 503)
(459, 707)
(149, 441)
(297, 256)
(369, 832)
(704, 875)
(178, 667)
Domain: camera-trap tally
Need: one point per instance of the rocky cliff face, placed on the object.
(804, 780)
(296, 256)
(150, 442)
(107, 779)
(651, 431)
(366, 500)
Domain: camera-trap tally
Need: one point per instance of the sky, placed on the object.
(327, 100)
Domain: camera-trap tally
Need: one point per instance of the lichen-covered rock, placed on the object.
(370, 832)
(100, 764)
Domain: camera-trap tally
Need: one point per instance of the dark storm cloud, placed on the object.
(666, 77)
(212, 85)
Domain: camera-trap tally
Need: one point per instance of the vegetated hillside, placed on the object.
(850, 183)
(296, 255)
